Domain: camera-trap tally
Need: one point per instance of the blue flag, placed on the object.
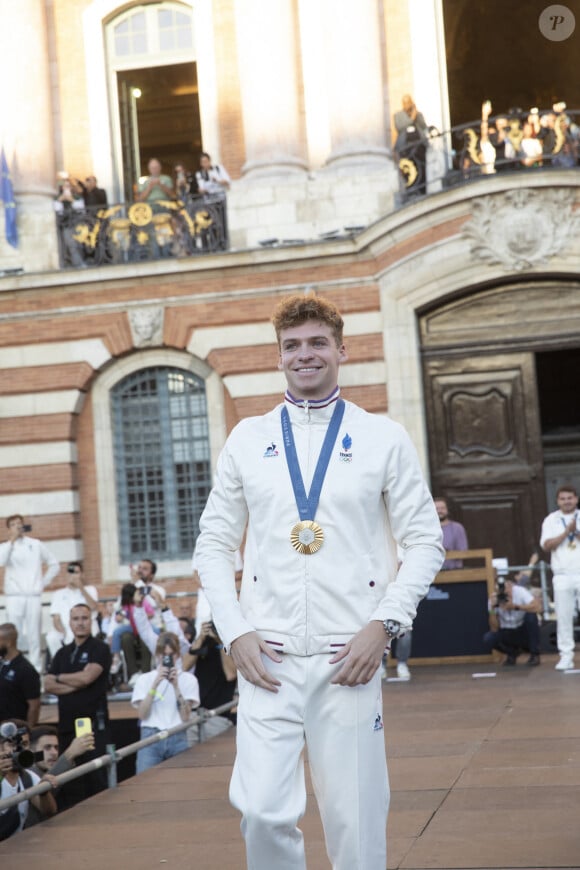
(7, 196)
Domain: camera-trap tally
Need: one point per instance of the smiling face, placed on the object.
(309, 358)
(567, 501)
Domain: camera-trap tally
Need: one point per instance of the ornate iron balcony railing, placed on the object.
(438, 161)
(141, 231)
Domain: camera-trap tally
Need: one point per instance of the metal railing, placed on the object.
(435, 161)
(114, 755)
(140, 231)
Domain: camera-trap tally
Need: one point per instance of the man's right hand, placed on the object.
(80, 745)
(246, 651)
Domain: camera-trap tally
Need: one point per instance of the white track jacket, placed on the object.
(374, 497)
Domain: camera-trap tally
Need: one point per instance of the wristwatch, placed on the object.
(392, 628)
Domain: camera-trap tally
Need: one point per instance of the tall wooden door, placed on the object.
(486, 448)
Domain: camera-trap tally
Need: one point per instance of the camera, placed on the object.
(501, 595)
(167, 661)
(20, 757)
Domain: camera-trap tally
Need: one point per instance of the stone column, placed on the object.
(27, 129)
(269, 80)
(355, 84)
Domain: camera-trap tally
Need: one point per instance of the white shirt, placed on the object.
(156, 617)
(202, 607)
(514, 618)
(531, 147)
(7, 790)
(23, 560)
(487, 158)
(62, 602)
(164, 713)
(374, 495)
(212, 185)
(564, 559)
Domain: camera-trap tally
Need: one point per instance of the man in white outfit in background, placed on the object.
(24, 582)
(561, 538)
(326, 491)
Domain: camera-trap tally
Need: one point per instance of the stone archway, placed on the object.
(488, 439)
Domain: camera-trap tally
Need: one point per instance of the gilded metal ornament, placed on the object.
(140, 214)
(307, 537)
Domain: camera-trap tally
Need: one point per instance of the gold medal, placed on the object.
(306, 537)
(571, 545)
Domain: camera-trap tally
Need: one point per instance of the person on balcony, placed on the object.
(155, 186)
(94, 196)
(411, 145)
(67, 206)
(212, 182)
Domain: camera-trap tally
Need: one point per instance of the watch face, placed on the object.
(392, 627)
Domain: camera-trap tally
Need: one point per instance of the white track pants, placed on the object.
(566, 594)
(25, 611)
(342, 729)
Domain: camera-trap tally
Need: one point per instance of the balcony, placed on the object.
(140, 232)
(467, 153)
(301, 211)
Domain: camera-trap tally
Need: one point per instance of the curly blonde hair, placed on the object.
(296, 310)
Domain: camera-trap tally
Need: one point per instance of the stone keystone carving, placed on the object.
(521, 228)
(147, 325)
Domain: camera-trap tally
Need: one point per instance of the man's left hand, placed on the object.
(361, 656)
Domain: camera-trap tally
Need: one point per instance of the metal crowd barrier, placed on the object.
(114, 755)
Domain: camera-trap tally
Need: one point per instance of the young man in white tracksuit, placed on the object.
(326, 492)
(24, 582)
(561, 538)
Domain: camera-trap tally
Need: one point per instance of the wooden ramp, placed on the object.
(485, 773)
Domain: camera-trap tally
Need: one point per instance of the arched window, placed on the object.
(162, 462)
(153, 84)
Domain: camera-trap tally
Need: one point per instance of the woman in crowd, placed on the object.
(164, 697)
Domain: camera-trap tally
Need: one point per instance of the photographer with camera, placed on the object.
(513, 618)
(16, 759)
(24, 582)
(143, 576)
(164, 697)
(217, 675)
(63, 600)
(125, 635)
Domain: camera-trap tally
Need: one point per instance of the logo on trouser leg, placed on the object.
(378, 724)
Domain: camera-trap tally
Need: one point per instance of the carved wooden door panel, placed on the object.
(486, 450)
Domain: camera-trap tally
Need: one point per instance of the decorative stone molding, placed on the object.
(147, 326)
(522, 228)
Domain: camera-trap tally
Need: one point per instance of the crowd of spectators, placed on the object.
(520, 140)
(186, 214)
(512, 141)
(135, 645)
(168, 666)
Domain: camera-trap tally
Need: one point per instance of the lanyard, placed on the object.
(307, 504)
(571, 535)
